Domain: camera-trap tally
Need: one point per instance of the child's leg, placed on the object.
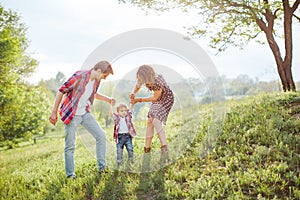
(120, 147)
(149, 134)
(160, 131)
(129, 148)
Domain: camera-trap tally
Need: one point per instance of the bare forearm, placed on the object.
(156, 95)
(102, 97)
(146, 99)
(111, 111)
(135, 90)
(58, 99)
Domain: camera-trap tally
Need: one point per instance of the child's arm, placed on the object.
(130, 107)
(111, 111)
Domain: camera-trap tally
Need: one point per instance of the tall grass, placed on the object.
(254, 156)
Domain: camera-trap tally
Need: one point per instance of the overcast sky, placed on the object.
(63, 33)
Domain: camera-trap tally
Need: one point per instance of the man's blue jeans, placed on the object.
(87, 121)
(124, 140)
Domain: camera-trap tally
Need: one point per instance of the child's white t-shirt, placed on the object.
(123, 126)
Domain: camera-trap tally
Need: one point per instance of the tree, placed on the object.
(60, 77)
(53, 84)
(15, 62)
(236, 23)
(23, 108)
(24, 115)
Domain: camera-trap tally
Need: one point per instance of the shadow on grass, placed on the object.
(112, 182)
(151, 183)
(55, 187)
(114, 186)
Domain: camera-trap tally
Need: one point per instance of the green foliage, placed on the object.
(15, 62)
(224, 22)
(23, 115)
(53, 84)
(23, 108)
(256, 156)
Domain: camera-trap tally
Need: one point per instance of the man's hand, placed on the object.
(112, 101)
(89, 106)
(53, 118)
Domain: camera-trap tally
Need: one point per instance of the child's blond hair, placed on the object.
(121, 105)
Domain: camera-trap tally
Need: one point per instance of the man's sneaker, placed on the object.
(73, 176)
(103, 171)
(119, 164)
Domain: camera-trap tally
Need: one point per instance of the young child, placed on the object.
(123, 131)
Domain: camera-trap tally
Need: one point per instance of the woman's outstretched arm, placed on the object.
(136, 89)
(156, 95)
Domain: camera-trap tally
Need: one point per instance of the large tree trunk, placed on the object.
(279, 62)
(283, 66)
(287, 64)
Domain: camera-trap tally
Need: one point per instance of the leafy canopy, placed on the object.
(225, 22)
(23, 109)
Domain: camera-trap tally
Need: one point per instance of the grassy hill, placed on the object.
(253, 154)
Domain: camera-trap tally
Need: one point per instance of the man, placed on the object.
(80, 91)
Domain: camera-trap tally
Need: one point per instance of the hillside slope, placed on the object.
(256, 156)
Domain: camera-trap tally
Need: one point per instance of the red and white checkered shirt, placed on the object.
(129, 124)
(74, 88)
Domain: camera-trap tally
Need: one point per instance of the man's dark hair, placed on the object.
(104, 66)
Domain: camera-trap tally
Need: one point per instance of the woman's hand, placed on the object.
(134, 101)
(132, 96)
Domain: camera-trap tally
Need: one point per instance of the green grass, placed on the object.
(255, 156)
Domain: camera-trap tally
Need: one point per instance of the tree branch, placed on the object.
(269, 16)
(296, 17)
(295, 6)
(262, 25)
(238, 5)
(230, 35)
(275, 12)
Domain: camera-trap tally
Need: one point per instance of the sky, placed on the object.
(64, 33)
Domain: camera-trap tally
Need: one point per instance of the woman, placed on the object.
(162, 102)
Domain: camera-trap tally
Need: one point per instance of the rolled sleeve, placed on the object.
(69, 84)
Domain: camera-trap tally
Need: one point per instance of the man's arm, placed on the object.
(102, 97)
(53, 116)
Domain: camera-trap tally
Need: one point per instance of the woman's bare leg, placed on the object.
(160, 131)
(149, 133)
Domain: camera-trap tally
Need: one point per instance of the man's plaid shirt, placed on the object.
(74, 88)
